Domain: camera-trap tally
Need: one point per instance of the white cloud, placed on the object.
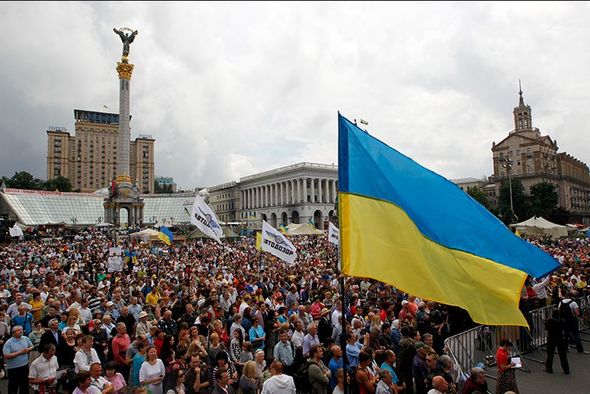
(230, 89)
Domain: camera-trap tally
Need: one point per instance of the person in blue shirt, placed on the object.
(257, 335)
(16, 355)
(24, 319)
(336, 362)
(390, 358)
(353, 349)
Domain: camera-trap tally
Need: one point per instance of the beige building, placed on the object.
(88, 158)
(225, 201)
(489, 189)
(534, 159)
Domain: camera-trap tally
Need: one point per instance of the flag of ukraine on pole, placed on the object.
(405, 225)
(166, 235)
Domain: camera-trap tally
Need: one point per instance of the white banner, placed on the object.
(333, 234)
(115, 261)
(277, 244)
(16, 231)
(204, 218)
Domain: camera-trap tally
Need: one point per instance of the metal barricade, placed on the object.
(584, 320)
(477, 346)
(472, 347)
(538, 331)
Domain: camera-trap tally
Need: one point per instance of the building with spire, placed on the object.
(527, 155)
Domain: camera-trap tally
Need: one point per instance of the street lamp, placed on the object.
(508, 166)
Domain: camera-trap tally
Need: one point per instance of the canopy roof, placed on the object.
(539, 226)
(302, 229)
(227, 233)
(35, 207)
(146, 235)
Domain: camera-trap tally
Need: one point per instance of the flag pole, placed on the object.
(343, 300)
(342, 288)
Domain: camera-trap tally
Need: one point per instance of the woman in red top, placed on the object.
(506, 376)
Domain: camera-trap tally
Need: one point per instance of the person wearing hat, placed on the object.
(143, 326)
(419, 368)
(324, 325)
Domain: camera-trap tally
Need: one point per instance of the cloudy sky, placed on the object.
(230, 89)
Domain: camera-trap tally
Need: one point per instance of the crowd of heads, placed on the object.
(233, 313)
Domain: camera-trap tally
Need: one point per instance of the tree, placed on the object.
(519, 201)
(543, 200)
(479, 196)
(59, 183)
(559, 215)
(24, 180)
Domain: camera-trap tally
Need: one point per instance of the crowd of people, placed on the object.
(202, 317)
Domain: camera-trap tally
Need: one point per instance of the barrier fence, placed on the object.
(477, 346)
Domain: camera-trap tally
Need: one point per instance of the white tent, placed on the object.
(302, 229)
(538, 227)
(146, 235)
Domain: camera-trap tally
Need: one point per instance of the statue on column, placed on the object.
(127, 38)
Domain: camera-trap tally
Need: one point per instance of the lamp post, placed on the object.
(508, 166)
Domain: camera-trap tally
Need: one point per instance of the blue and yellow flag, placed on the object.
(405, 225)
(166, 235)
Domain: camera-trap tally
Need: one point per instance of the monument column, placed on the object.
(123, 194)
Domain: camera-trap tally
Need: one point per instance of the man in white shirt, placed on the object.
(86, 356)
(85, 311)
(298, 334)
(99, 381)
(310, 339)
(12, 310)
(279, 383)
(43, 370)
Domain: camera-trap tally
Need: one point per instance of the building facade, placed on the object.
(483, 184)
(527, 155)
(299, 193)
(225, 201)
(88, 158)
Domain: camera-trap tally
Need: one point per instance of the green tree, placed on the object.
(559, 215)
(543, 199)
(519, 201)
(24, 180)
(59, 183)
(479, 196)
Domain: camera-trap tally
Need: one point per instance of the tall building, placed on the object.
(533, 158)
(88, 158)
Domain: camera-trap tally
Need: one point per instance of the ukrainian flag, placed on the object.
(166, 235)
(405, 225)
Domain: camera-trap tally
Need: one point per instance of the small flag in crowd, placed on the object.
(258, 240)
(204, 218)
(166, 235)
(277, 244)
(408, 226)
(333, 234)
